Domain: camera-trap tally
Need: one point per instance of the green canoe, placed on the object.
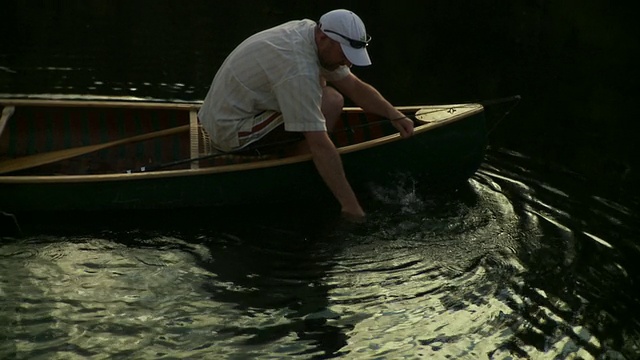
(111, 155)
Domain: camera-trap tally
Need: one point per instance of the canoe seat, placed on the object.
(204, 142)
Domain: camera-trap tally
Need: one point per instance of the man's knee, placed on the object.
(332, 104)
(332, 99)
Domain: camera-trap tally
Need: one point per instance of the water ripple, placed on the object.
(509, 266)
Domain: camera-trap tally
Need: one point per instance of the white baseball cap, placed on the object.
(346, 28)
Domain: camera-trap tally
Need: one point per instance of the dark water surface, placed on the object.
(508, 267)
(535, 258)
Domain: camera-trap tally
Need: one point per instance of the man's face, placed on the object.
(330, 54)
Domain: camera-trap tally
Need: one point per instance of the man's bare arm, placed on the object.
(370, 99)
(329, 165)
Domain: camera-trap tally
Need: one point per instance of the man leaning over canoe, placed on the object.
(275, 82)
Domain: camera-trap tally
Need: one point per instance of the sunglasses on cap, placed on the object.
(356, 44)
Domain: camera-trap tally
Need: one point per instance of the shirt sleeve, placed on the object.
(300, 100)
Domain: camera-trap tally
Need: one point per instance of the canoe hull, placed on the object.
(445, 155)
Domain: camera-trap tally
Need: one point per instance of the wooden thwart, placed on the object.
(27, 162)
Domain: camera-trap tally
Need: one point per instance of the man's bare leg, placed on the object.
(332, 104)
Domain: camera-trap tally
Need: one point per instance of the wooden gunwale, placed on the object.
(100, 104)
(144, 104)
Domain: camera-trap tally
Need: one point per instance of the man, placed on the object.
(276, 81)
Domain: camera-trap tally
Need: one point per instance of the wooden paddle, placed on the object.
(30, 161)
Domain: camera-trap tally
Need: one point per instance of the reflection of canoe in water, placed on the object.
(80, 155)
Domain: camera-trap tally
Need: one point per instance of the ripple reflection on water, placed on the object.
(509, 266)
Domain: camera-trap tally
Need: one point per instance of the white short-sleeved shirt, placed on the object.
(277, 69)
